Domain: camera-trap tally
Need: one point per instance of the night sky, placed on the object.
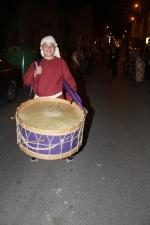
(104, 13)
(101, 8)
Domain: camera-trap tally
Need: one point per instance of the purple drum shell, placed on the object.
(52, 146)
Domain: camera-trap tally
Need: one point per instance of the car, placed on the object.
(11, 81)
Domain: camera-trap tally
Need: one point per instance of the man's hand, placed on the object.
(38, 69)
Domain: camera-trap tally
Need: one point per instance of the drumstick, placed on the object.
(31, 141)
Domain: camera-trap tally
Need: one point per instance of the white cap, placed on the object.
(52, 40)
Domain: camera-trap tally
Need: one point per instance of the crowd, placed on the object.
(80, 62)
(137, 63)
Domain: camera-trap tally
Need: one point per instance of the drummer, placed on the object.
(48, 76)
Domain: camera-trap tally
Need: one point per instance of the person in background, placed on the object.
(75, 65)
(113, 61)
(147, 62)
(108, 51)
(48, 76)
(64, 54)
(82, 63)
(140, 69)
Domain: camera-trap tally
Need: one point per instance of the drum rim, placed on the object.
(47, 131)
(50, 157)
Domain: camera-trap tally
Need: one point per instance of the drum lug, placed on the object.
(13, 117)
(85, 111)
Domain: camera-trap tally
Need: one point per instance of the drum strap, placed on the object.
(31, 88)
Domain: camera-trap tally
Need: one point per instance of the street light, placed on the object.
(138, 6)
(127, 37)
(124, 48)
(132, 18)
(135, 31)
(124, 37)
(107, 27)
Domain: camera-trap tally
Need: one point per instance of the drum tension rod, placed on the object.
(13, 117)
(31, 141)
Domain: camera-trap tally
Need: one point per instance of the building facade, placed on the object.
(140, 25)
(72, 29)
(33, 20)
(36, 19)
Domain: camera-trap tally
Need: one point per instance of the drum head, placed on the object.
(50, 114)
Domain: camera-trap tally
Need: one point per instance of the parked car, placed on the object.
(11, 81)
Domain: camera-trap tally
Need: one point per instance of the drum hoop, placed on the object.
(47, 131)
(50, 157)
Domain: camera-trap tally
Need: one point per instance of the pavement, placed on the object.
(108, 183)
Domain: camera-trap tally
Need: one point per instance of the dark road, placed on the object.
(108, 183)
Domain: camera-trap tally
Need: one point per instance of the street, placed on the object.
(108, 183)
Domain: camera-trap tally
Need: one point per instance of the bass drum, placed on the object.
(49, 128)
